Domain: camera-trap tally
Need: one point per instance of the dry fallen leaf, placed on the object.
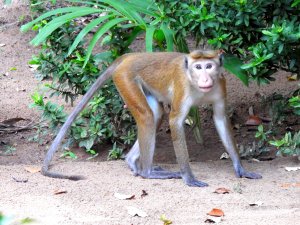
(213, 219)
(188, 122)
(144, 193)
(216, 212)
(33, 67)
(20, 89)
(292, 77)
(123, 196)
(253, 121)
(292, 168)
(32, 169)
(288, 185)
(257, 203)
(59, 192)
(222, 190)
(133, 211)
(20, 180)
(224, 156)
(165, 220)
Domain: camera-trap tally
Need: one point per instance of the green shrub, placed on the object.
(105, 118)
(263, 34)
(288, 145)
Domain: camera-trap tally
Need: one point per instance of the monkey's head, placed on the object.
(203, 68)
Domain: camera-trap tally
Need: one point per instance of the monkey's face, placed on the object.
(203, 73)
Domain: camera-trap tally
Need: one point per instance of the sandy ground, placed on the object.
(92, 201)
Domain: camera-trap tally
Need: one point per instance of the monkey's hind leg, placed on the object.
(140, 157)
(132, 159)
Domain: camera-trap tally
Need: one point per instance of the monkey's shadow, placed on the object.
(211, 149)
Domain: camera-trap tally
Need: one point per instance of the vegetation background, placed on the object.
(92, 201)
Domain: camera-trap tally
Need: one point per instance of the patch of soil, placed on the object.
(92, 201)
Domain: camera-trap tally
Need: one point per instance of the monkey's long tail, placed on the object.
(62, 133)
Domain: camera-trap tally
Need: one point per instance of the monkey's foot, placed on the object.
(244, 174)
(196, 183)
(159, 173)
(251, 175)
(165, 175)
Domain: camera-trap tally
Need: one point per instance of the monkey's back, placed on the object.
(157, 70)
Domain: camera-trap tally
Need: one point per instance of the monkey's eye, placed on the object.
(209, 66)
(198, 67)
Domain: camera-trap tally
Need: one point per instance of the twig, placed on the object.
(8, 25)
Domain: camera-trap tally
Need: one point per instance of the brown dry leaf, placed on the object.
(59, 192)
(123, 196)
(292, 77)
(253, 121)
(222, 190)
(144, 193)
(32, 169)
(289, 185)
(133, 211)
(216, 212)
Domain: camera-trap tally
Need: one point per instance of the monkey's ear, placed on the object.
(221, 56)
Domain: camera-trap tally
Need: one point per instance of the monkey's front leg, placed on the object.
(179, 143)
(225, 132)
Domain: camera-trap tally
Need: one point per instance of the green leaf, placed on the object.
(169, 37)
(268, 33)
(149, 38)
(48, 14)
(70, 154)
(233, 65)
(127, 10)
(146, 6)
(88, 143)
(102, 30)
(59, 21)
(269, 56)
(86, 30)
(83, 133)
(103, 57)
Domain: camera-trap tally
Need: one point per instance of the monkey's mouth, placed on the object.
(206, 89)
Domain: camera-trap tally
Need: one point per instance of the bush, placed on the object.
(105, 118)
(264, 34)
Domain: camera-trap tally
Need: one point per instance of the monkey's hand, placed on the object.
(241, 172)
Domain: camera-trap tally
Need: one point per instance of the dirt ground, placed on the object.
(92, 201)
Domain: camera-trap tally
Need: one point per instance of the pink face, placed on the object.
(203, 72)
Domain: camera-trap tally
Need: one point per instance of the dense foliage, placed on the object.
(263, 34)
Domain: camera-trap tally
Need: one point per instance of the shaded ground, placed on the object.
(92, 201)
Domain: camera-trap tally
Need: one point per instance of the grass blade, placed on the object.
(149, 38)
(59, 21)
(27, 26)
(169, 37)
(86, 30)
(102, 30)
